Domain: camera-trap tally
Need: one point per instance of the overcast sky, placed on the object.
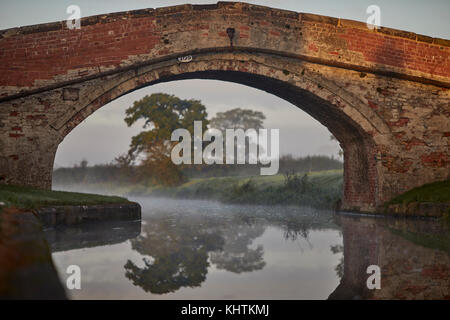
(104, 135)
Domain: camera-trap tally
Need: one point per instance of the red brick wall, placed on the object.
(47, 51)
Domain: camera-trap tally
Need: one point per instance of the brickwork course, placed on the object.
(383, 93)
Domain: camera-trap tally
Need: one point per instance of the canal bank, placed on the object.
(429, 200)
(28, 271)
(26, 267)
(321, 189)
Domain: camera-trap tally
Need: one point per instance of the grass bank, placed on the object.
(429, 200)
(318, 189)
(436, 192)
(32, 198)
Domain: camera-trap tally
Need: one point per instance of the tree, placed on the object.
(239, 119)
(125, 169)
(162, 113)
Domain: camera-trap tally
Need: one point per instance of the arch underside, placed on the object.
(294, 82)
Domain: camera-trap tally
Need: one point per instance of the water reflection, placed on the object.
(204, 250)
(91, 235)
(179, 247)
(179, 253)
(413, 255)
(236, 255)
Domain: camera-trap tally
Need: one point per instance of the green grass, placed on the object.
(32, 198)
(433, 192)
(319, 189)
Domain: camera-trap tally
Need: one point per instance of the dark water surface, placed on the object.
(189, 249)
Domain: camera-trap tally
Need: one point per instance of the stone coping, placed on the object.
(233, 7)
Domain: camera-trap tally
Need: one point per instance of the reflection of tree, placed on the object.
(178, 245)
(295, 227)
(340, 267)
(294, 230)
(180, 255)
(236, 256)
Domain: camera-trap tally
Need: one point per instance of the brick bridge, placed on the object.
(384, 94)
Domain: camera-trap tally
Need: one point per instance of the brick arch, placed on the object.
(258, 74)
(354, 126)
(384, 93)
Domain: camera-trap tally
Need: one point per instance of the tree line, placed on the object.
(115, 172)
(148, 159)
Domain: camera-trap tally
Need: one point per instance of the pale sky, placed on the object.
(104, 135)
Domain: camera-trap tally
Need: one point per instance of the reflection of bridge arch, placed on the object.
(412, 254)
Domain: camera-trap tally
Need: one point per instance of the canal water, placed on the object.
(192, 249)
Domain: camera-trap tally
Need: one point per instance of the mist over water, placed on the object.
(193, 249)
(197, 249)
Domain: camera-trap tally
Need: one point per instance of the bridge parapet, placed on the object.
(50, 54)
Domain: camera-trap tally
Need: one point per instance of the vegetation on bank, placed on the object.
(316, 189)
(114, 173)
(147, 168)
(32, 198)
(436, 192)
